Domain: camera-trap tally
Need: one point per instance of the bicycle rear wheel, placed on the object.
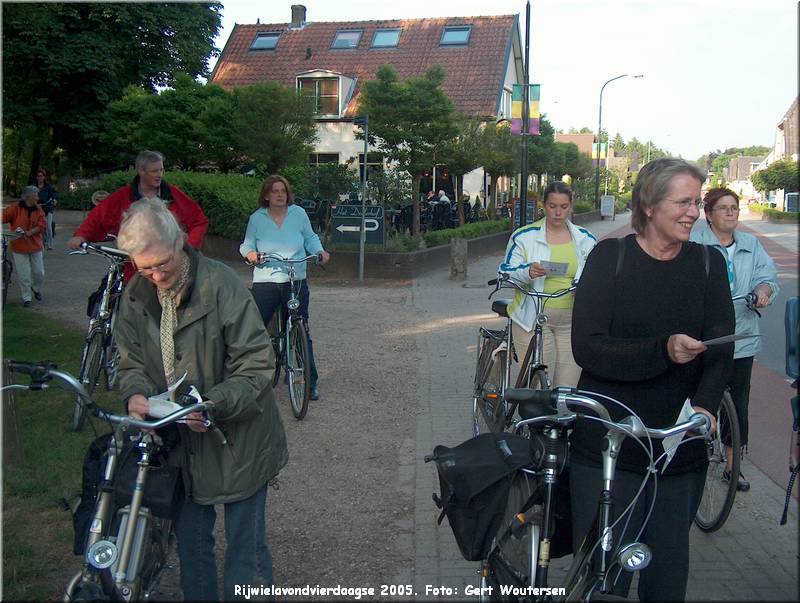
(89, 374)
(112, 358)
(7, 270)
(718, 495)
(488, 405)
(298, 369)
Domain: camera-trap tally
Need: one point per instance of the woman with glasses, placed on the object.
(643, 307)
(749, 269)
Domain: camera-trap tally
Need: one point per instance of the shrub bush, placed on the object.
(468, 231)
(582, 208)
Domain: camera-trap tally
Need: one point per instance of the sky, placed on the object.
(717, 74)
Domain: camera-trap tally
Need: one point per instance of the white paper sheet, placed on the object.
(555, 268)
(162, 404)
(727, 339)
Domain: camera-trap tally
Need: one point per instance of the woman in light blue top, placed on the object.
(281, 227)
(749, 269)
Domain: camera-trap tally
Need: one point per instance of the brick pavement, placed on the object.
(750, 558)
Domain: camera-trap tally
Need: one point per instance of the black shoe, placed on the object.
(37, 295)
(314, 394)
(26, 303)
(741, 486)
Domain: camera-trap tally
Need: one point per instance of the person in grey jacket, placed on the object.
(749, 269)
(187, 314)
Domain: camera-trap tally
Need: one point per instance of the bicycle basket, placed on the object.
(474, 480)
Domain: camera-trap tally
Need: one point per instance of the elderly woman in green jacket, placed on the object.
(184, 313)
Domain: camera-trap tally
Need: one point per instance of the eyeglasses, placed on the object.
(728, 209)
(685, 204)
(163, 267)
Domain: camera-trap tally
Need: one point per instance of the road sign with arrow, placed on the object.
(346, 224)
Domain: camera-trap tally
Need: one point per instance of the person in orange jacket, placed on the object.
(27, 218)
(106, 217)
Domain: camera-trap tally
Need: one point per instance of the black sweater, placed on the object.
(620, 327)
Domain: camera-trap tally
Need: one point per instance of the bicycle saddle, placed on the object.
(500, 307)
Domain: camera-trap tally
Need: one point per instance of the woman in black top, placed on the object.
(47, 201)
(637, 331)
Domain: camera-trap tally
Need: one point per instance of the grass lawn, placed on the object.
(37, 530)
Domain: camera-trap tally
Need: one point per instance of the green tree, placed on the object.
(781, 174)
(540, 148)
(500, 156)
(462, 155)
(389, 187)
(63, 63)
(329, 180)
(409, 122)
(618, 144)
(273, 126)
(189, 123)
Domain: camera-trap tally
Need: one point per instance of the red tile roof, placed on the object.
(474, 74)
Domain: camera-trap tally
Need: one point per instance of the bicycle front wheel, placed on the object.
(89, 374)
(720, 490)
(298, 369)
(488, 405)
(112, 364)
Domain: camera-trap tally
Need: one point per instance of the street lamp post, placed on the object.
(599, 133)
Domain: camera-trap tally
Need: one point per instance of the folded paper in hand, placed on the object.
(162, 404)
(671, 443)
(555, 268)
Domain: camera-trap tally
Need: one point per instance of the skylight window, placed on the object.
(455, 36)
(347, 38)
(386, 38)
(265, 41)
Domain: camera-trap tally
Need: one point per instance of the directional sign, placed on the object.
(346, 224)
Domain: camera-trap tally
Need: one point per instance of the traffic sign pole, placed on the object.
(365, 122)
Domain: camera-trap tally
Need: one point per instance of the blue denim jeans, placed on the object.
(248, 561)
(272, 296)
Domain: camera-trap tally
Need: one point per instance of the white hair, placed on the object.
(148, 223)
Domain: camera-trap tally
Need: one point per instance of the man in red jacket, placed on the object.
(106, 217)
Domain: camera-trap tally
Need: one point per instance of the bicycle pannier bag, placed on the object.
(474, 480)
(163, 491)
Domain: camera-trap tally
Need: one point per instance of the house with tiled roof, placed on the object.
(481, 57)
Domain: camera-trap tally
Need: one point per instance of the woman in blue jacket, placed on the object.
(749, 269)
(283, 228)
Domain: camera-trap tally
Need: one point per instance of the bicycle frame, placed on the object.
(116, 551)
(598, 550)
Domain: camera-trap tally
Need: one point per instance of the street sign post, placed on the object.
(607, 207)
(530, 214)
(346, 224)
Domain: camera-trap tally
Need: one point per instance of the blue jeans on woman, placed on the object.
(248, 561)
(273, 296)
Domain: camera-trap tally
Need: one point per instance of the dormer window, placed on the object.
(324, 92)
(455, 36)
(386, 38)
(265, 41)
(348, 38)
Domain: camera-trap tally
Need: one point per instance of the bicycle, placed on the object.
(8, 265)
(490, 412)
(604, 551)
(290, 338)
(719, 494)
(100, 354)
(131, 527)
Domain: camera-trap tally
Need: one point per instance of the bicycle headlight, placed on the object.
(102, 554)
(293, 304)
(635, 556)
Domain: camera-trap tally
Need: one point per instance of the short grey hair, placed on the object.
(31, 189)
(145, 158)
(148, 223)
(652, 184)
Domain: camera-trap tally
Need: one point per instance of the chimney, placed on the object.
(298, 15)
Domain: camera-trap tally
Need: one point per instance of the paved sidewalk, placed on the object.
(750, 558)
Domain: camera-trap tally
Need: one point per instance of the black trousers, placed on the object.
(739, 384)
(666, 533)
(272, 296)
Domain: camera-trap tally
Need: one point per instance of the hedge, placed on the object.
(772, 214)
(468, 231)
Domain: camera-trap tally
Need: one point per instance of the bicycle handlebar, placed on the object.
(42, 372)
(504, 278)
(563, 400)
(262, 257)
(111, 253)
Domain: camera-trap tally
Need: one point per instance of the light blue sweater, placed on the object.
(294, 239)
